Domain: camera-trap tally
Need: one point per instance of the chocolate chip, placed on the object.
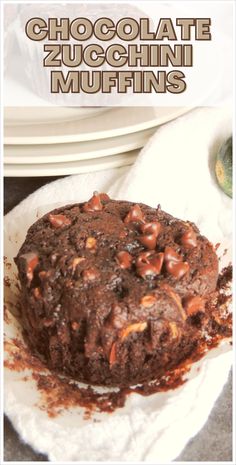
(174, 264)
(157, 261)
(124, 259)
(151, 228)
(177, 269)
(189, 239)
(150, 232)
(146, 270)
(104, 197)
(172, 255)
(149, 263)
(135, 215)
(57, 221)
(149, 241)
(143, 258)
(95, 203)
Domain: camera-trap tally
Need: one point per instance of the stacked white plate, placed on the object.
(48, 141)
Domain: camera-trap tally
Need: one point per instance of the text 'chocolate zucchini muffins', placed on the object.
(113, 293)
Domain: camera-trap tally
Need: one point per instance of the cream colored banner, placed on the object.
(116, 53)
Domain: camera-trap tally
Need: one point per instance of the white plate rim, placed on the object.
(23, 116)
(75, 151)
(119, 121)
(77, 167)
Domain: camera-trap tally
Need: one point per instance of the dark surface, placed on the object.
(213, 443)
(16, 189)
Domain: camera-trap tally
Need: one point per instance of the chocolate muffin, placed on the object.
(113, 292)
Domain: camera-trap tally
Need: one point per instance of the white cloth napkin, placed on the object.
(174, 169)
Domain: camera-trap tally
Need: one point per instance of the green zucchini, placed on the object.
(223, 167)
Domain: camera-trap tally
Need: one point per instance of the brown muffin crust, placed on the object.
(109, 289)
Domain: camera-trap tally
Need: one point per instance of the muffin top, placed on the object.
(116, 265)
